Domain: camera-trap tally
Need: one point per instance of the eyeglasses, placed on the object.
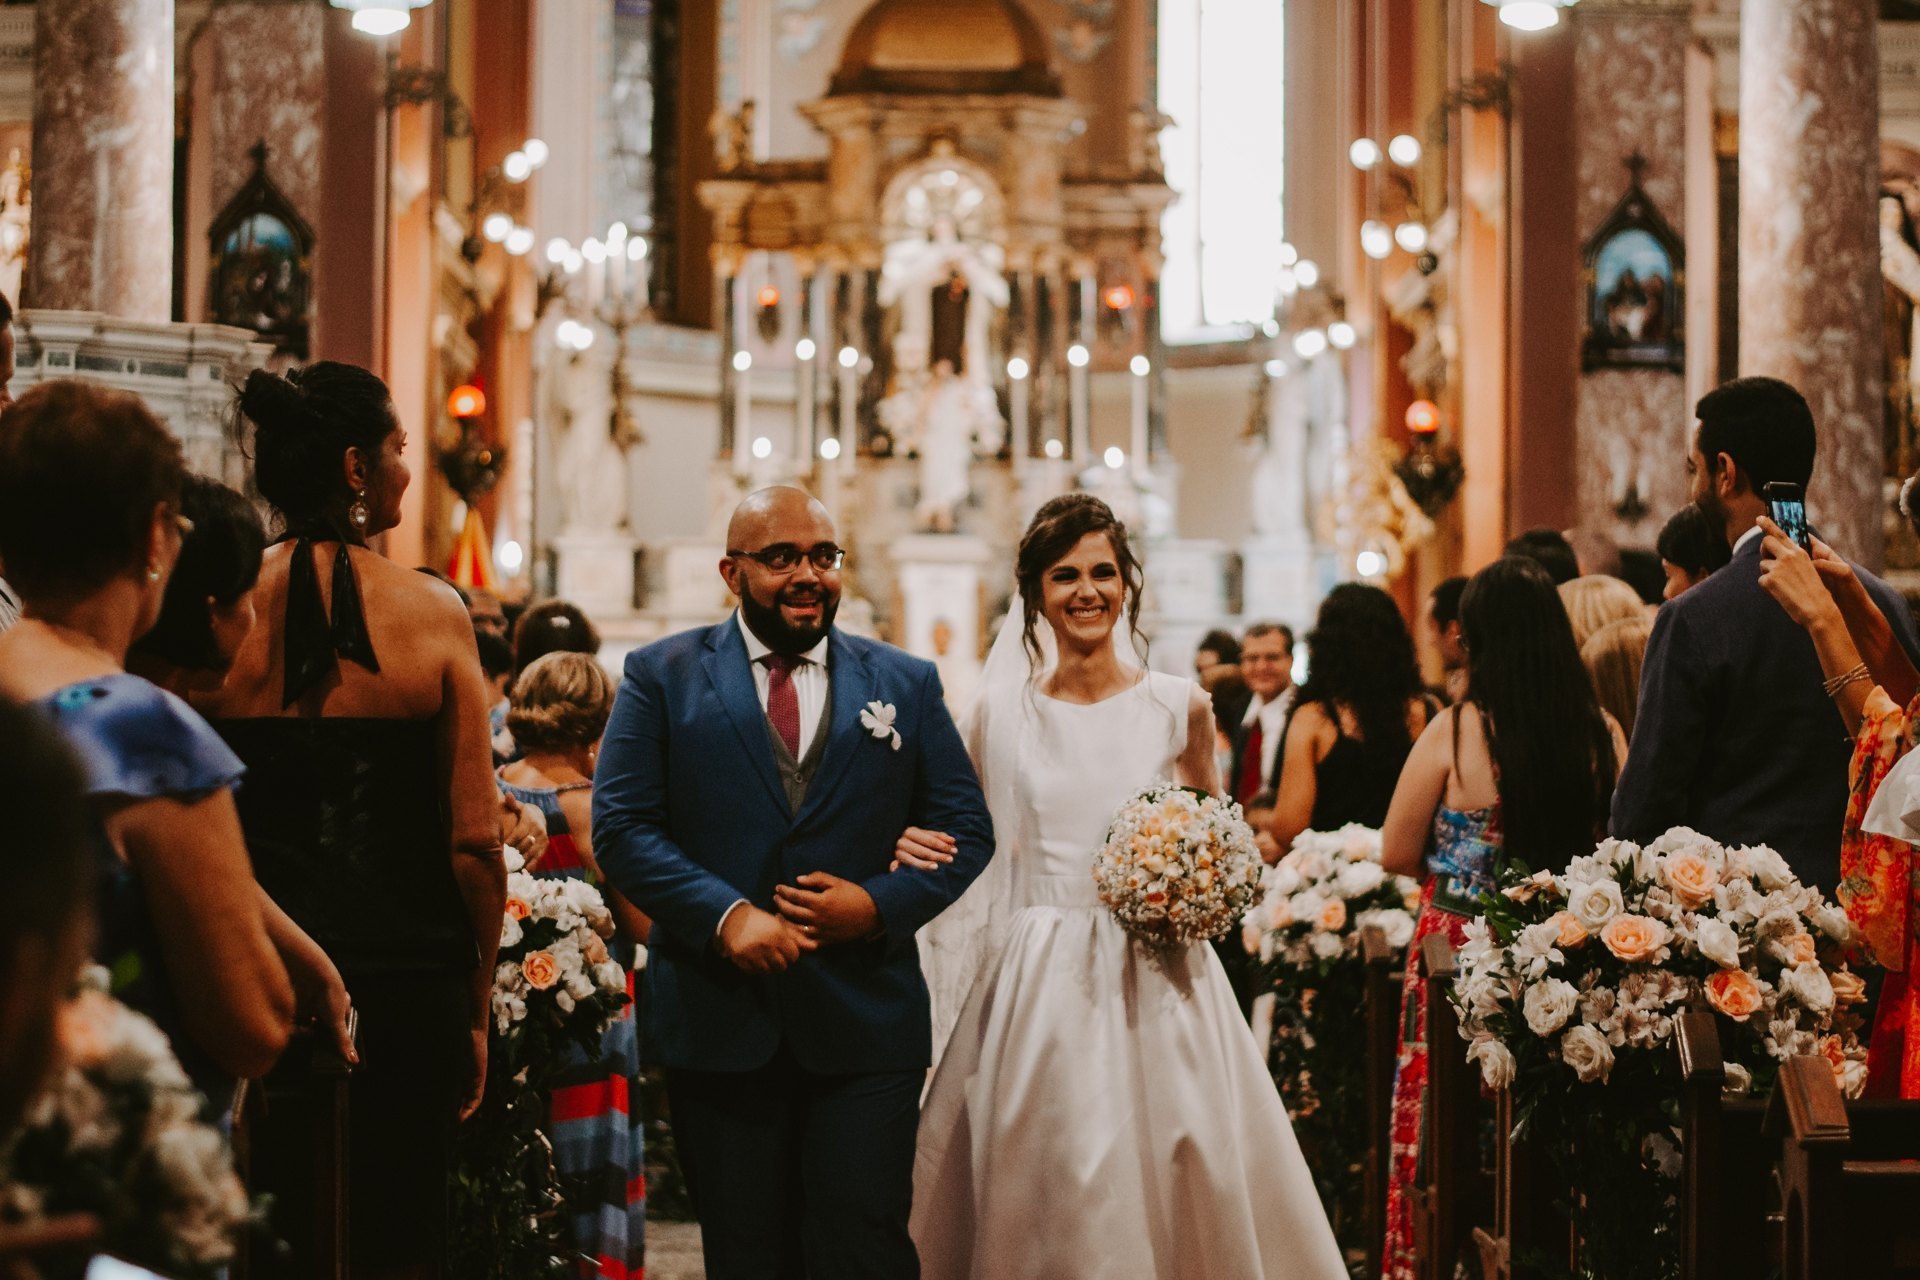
(785, 557)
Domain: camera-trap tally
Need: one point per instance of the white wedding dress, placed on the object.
(1101, 1109)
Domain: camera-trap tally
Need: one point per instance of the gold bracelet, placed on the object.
(1839, 682)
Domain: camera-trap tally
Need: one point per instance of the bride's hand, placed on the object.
(923, 850)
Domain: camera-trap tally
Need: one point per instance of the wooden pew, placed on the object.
(1528, 1218)
(1383, 1055)
(311, 1100)
(1727, 1180)
(1849, 1179)
(1453, 1193)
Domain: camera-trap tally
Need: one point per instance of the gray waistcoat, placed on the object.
(796, 775)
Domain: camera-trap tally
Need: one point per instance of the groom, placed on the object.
(751, 786)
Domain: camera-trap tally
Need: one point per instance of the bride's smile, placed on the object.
(1083, 592)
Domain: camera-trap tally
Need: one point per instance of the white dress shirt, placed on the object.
(1272, 715)
(810, 686)
(810, 683)
(1745, 538)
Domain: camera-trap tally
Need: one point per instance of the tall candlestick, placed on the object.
(743, 436)
(849, 404)
(1017, 402)
(804, 445)
(1078, 409)
(1140, 368)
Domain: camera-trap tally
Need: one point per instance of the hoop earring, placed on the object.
(358, 512)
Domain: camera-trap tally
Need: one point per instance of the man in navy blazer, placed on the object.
(753, 782)
(1735, 736)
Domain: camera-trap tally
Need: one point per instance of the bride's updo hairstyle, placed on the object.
(1056, 529)
(303, 425)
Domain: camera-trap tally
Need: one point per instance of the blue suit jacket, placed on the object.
(1734, 736)
(689, 817)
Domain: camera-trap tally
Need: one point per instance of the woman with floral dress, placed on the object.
(1523, 767)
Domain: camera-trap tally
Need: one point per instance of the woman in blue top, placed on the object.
(90, 528)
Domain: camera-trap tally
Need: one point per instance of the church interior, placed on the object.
(1313, 291)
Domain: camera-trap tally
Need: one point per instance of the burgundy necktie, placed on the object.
(783, 704)
(1248, 785)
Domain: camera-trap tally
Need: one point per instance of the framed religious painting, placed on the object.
(1635, 272)
(261, 265)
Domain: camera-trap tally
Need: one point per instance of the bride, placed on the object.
(1101, 1109)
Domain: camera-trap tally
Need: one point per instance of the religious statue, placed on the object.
(1293, 433)
(591, 454)
(1900, 268)
(947, 422)
(1144, 126)
(16, 220)
(733, 139)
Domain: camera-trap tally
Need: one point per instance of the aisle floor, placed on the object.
(673, 1251)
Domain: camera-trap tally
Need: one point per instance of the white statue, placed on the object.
(592, 463)
(947, 422)
(1292, 474)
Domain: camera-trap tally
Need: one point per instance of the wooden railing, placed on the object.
(1384, 989)
(1452, 1194)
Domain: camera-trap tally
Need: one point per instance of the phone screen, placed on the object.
(1789, 511)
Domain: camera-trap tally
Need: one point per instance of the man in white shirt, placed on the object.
(1266, 664)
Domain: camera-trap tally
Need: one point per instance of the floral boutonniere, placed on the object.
(877, 719)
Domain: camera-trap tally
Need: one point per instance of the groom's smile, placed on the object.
(778, 543)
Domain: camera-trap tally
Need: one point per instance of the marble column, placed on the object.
(1809, 249)
(103, 133)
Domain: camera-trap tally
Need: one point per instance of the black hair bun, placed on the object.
(274, 403)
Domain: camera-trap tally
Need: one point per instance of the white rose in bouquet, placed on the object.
(1769, 868)
(1395, 924)
(1587, 1052)
(1357, 878)
(1495, 1059)
(1717, 942)
(1809, 984)
(1832, 921)
(1548, 1005)
(1594, 903)
(1327, 945)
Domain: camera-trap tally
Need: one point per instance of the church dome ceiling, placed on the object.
(946, 46)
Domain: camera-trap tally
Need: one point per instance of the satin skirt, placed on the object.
(1102, 1111)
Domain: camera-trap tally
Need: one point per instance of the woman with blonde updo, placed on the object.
(1613, 656)
(558, 711)
(1595, 601)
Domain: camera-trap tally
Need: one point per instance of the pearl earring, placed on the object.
(358, 512)
(153, 573)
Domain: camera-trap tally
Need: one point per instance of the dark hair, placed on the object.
(219, 560)
(496, 655)
(466, 601)
(47, 863)
(1640, 569)
(1446, 601)
(1220, 642)
(1055, 531)
(6, 311)
(82, 468)
(304, 423)
(552, 626)
(1764, 425)
(1258, 629)
(1694, 541)
(1360, 655)
(1548, 738)
(1549, 549)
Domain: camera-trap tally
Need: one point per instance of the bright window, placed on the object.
(1221, 67)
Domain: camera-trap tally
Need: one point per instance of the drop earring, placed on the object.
(153, 573)
(358, 512)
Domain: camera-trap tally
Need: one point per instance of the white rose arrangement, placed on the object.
(121, 1133)
(1305, 934)
(1178, 866)
(1568, 990)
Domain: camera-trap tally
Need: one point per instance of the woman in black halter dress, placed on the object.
(359, 708)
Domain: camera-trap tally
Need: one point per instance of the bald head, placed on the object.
(777, 507)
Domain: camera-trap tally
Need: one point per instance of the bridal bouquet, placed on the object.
(1569, 987)
(1178, 866)
(1315, 903)
(120, 1134)
(556, 990)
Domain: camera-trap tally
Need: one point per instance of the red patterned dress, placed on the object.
(1466, 847)
(1877, 887)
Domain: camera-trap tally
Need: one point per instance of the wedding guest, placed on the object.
(1216, 648)
(1354, 721)
(552, 626)
(1595, 552)
(90, 528)
(1525, 762)
(1443, 624)
(496, 664)
(1692, 545)
(1640, 569)
(1613, 656)
(1550, 549)
(1593, 602)
(486, 613)
(1228, 692)
(1879, 870)
(371, 808)
(1735, 737)
(1266, 665)
(560, 709)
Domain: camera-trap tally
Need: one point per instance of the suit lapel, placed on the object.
(728, 671)
(852, 689)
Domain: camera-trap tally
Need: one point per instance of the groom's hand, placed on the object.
(830, 910)
(758, 941)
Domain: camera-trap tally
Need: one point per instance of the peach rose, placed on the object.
(1332, 917)
(541, 970)
(1572, 932)
(1830, 1048)
(595, 950)
(518, 909)
(1692, 879)
(1734, 993)
(1848, 987)
(1634, 938)
(1801, 950)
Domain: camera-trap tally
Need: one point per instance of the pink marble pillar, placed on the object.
(103, 147)
(1810, 292)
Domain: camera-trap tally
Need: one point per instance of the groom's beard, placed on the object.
(782, 636)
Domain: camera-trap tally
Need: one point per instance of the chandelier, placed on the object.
(1525, 15)
(380, 17)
